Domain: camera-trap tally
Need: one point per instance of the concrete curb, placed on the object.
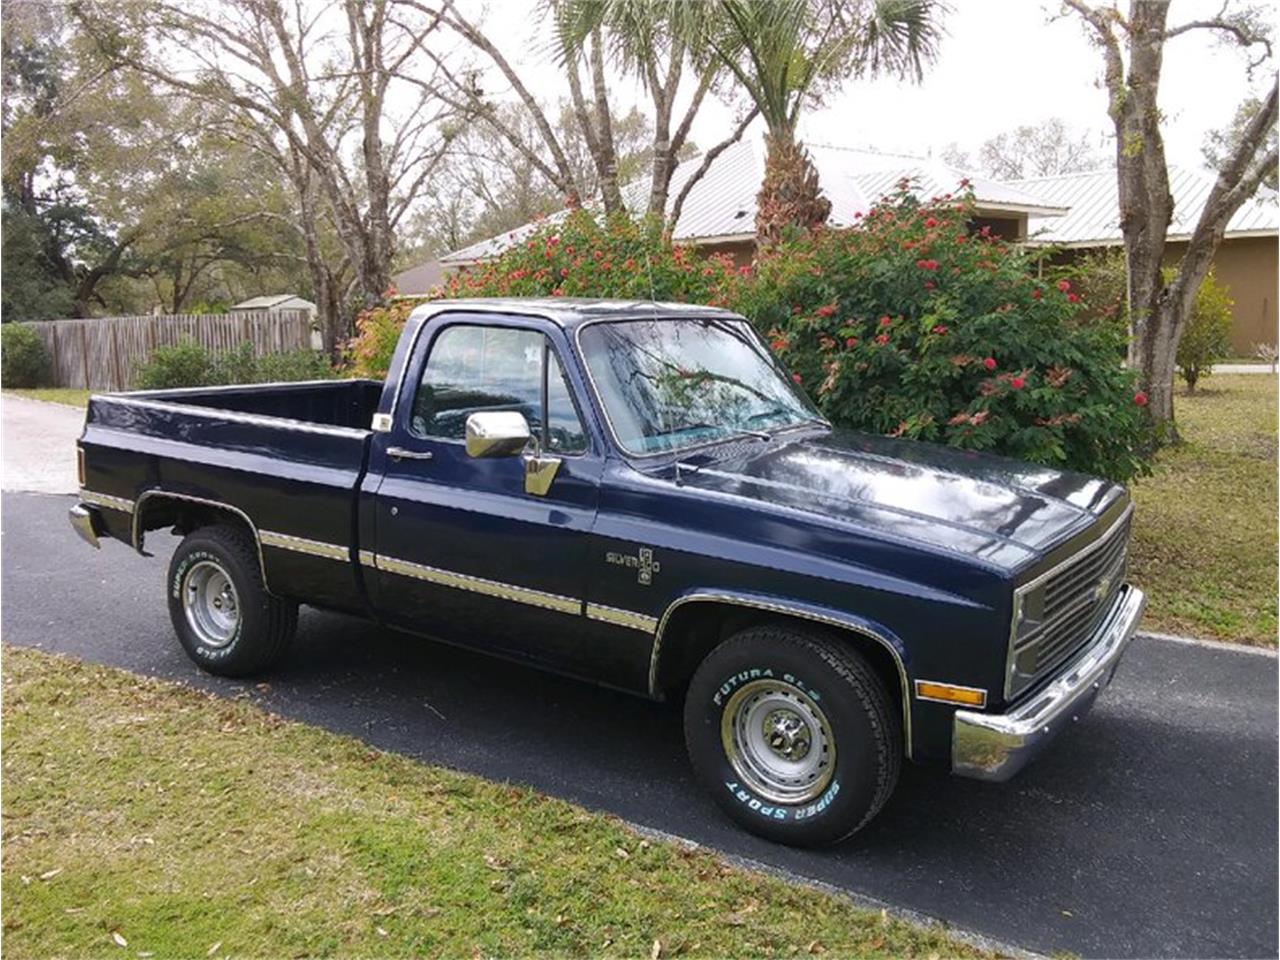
(1210, 644)
(913, 917)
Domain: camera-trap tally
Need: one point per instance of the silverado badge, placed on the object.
(644, 563)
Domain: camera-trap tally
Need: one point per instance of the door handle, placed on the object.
(400, 453)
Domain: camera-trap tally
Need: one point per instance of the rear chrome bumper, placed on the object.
(996, 746)
(86, 522)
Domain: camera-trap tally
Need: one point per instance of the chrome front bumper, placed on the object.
(996, 746)
(86, 523)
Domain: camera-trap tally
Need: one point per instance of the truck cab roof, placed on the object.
(571, 312)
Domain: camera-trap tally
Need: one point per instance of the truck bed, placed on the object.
(286, 458)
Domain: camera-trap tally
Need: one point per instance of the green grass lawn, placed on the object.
(1204, 541)
(67, 395)
(143, 818)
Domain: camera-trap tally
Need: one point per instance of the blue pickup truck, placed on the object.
(638, 494)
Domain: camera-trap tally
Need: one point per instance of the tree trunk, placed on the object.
(607, 162)
(1158, 311)
(790, 195)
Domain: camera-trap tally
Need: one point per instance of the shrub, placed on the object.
(905, 324)
(186, 364)
(911, 326)
(293, 366)
(24, 361)
(368, 354)
(237, 365)
(1101, 277)
(1207, 335)
(190, 365)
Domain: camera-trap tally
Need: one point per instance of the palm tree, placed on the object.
(786, 53)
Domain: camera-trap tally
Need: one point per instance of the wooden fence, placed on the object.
(105, 353)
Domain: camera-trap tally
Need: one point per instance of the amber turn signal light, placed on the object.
(950, 693)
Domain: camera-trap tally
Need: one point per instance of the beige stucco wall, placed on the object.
(1247, 266)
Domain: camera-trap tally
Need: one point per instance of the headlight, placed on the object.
(1028, 614)
(1028, 618)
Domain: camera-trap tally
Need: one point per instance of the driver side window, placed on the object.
(472, 369)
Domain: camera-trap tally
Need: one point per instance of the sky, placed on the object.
(1003, 63)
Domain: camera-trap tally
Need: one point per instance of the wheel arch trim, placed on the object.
(799, 610)
(137, 533)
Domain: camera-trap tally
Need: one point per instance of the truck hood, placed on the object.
(1003, 511)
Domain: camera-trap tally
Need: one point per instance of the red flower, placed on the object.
(826, 310)
(797, 378)
(778, 344)
(598, 254)
(629, 263)
(1035, 294)
(851, 342)
(546, 254)
(557, 292)
(552, 241)
(1140, 398)
(1064, 285)
(989, 363)
(885, 321)
(928, 284)
(882, 339)
(940, 329)
(927, 264)
(1017, 383)
(564, 272)
(930, 222)
(1073, 298)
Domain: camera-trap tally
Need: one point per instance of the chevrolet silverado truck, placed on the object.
(638, 494)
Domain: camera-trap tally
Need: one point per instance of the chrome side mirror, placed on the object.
(497, 433)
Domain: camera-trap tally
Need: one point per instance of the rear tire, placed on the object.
(794, 734)
(221, 611)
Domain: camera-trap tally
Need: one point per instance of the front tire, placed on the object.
(794, 734)
(224, 618)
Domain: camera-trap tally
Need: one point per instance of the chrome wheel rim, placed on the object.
(778, 741)
(211, 604)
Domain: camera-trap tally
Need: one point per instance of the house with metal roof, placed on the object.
(1075, 212)
(1246, 261)
(719, 215)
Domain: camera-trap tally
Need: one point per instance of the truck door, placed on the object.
(476, 550)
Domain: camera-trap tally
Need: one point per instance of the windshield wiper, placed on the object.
(773, 412)
(730, 432)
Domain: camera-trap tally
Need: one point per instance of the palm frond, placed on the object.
(900, 37)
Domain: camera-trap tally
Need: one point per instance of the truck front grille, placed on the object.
(1076, 598)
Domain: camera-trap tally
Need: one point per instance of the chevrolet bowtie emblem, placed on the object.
(643, 562)
(1102, 589)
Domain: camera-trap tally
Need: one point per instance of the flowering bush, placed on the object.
(575, 256)
(368, 354)
(905, 324)
(912, 326)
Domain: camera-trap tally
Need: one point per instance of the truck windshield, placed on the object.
(670, 384)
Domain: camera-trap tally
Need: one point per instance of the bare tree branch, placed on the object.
(708, 158)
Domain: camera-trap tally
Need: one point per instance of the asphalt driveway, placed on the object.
(1150, 829)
